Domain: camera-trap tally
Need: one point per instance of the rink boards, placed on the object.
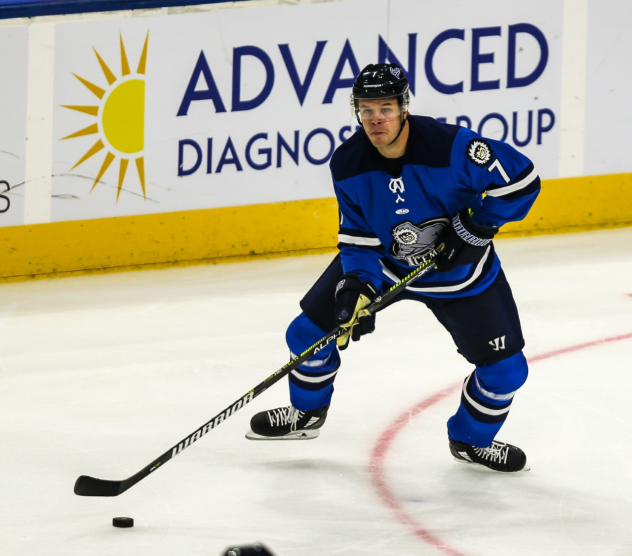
(280, 229)
(188, 135)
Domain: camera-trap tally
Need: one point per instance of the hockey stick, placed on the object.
(91, 486)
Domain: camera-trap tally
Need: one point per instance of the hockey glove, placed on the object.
(352, 298)
(462, 243)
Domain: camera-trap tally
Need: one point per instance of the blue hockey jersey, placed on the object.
(390, 223)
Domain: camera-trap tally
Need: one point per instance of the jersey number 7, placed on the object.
(496, 165)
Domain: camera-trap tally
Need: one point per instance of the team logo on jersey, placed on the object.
(479, 152)
(396, 185)
(414, 242)
(402, 211)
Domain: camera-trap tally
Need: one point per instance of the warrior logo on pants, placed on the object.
(414, 242)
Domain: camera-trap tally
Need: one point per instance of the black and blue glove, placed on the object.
(464, 242)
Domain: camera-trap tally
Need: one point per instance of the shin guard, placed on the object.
(311, 384)
(486, 399)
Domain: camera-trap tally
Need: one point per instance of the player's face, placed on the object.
(381, 120)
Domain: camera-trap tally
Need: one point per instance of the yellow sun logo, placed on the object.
(121, 118)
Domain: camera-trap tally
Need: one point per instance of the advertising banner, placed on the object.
(13, 72)
(241, 107)
(494, 67)
(608, 86)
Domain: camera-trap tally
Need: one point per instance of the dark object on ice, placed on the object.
(123, 522)
(256, 549)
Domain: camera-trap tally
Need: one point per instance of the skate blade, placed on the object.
(298, 435)
(485, 468)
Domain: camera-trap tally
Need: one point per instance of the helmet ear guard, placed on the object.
(380, 81)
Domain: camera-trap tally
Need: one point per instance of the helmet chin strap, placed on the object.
(401, 128)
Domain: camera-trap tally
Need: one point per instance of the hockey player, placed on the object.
(409, 188)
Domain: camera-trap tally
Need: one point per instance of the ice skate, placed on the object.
(497, 457)
(287, 423)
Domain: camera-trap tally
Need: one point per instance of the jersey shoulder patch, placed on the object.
(479, 152)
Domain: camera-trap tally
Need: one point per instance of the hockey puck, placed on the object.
(123, 522)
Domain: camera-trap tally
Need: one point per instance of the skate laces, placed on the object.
(497, 452)
(284, 415)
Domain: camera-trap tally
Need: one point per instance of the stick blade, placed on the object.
(91, 486)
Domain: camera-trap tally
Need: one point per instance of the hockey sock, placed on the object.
(486, 399)
(311, 384)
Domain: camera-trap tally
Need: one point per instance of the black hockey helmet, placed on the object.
(378, 81)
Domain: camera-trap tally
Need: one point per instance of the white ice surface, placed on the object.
(100, 375)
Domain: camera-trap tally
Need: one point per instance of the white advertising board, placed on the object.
(608, 87)
(13, 71)
(491, 66)
(239, 107)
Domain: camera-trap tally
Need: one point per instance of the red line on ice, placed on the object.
(376, 464)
